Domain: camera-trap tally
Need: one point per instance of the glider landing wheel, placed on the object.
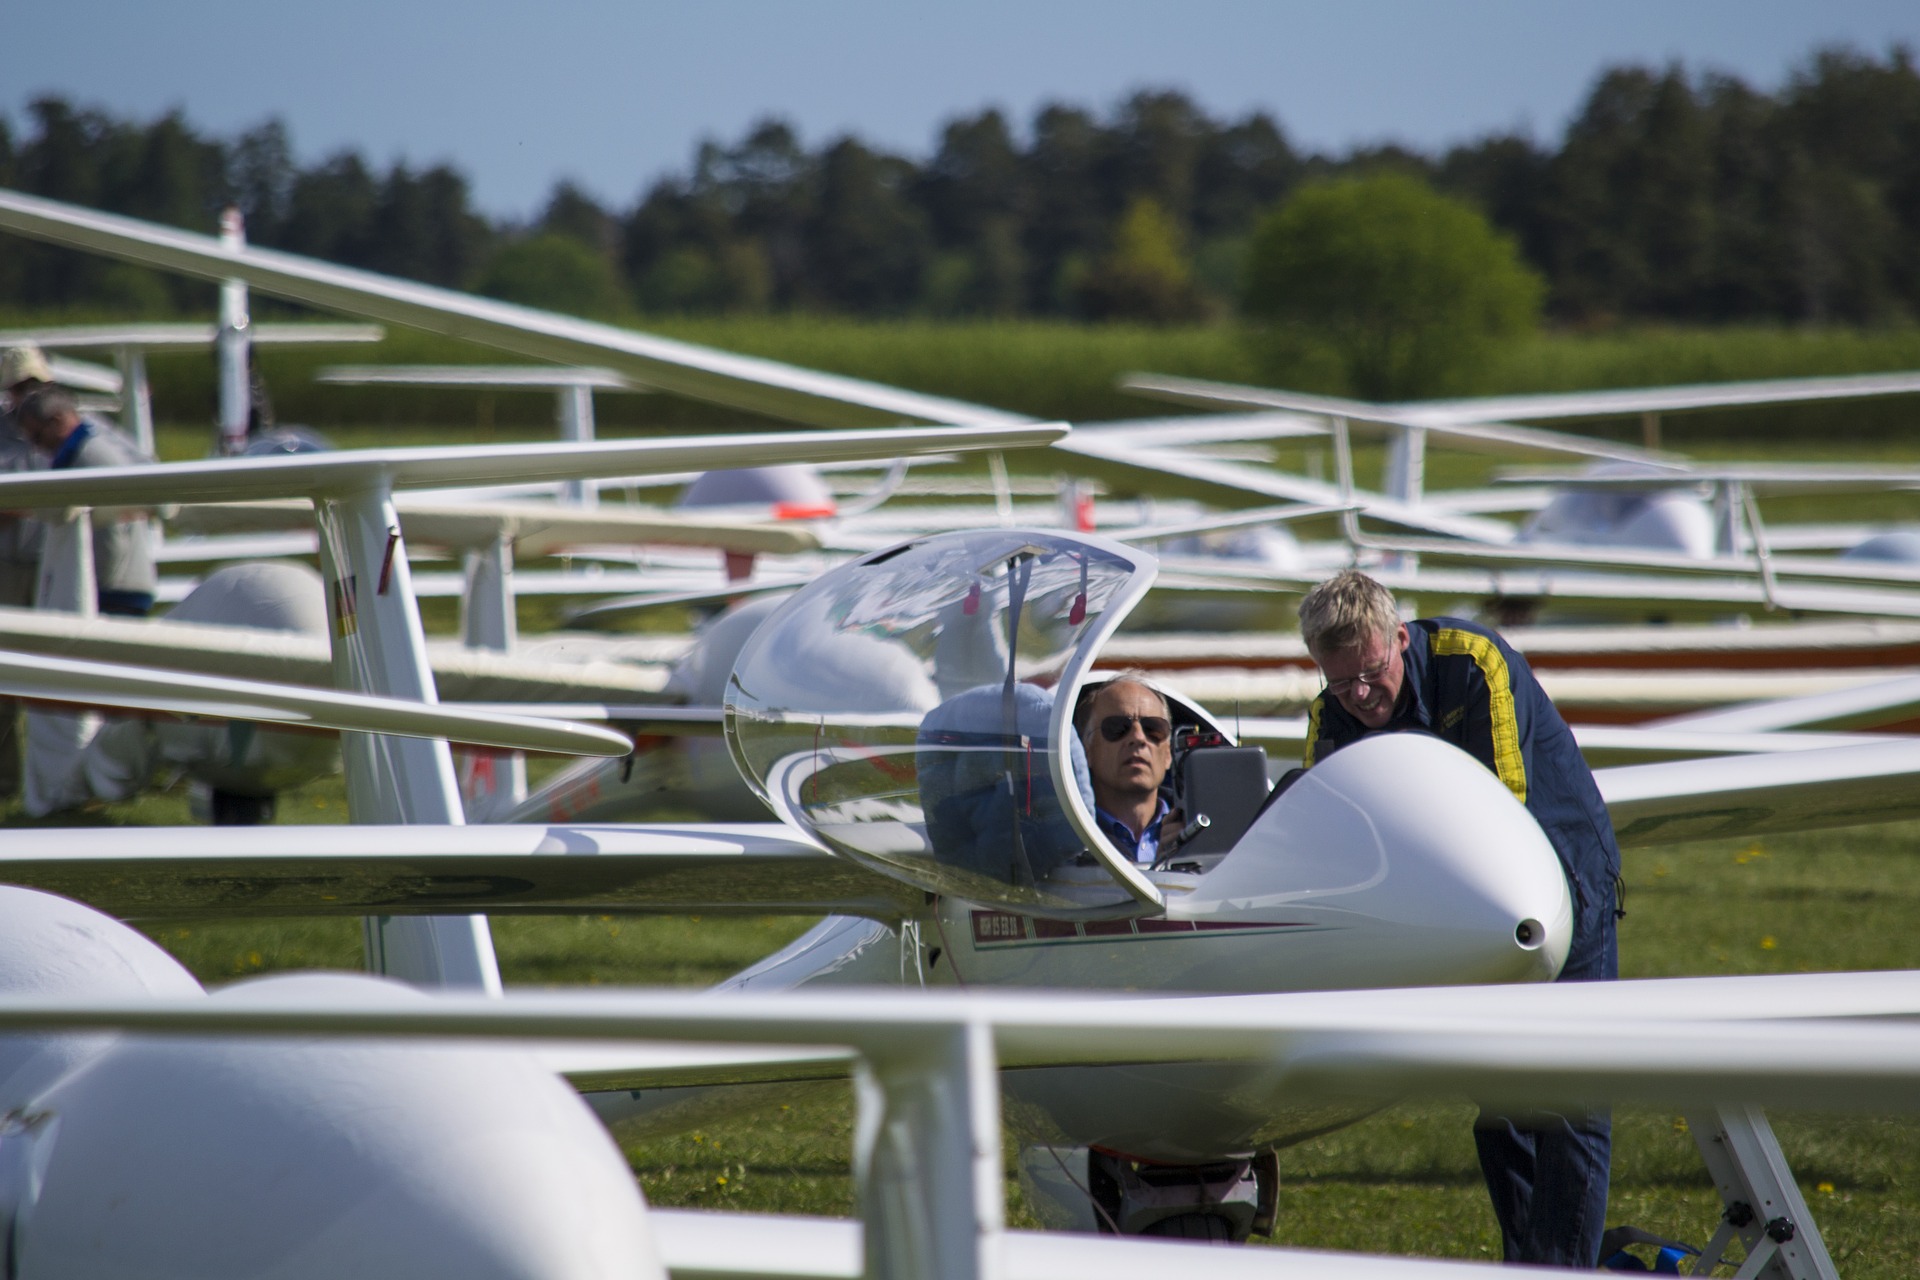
(1223, 1201)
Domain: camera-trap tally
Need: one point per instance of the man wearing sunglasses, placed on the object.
(1546, 1172)
(1128, 735)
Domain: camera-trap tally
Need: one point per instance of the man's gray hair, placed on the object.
(1345, 612)
(48, 404)
(1083, 709)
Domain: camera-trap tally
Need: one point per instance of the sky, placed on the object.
(614, 94)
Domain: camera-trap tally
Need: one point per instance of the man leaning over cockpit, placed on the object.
(1128, 733)
(1546, 1172)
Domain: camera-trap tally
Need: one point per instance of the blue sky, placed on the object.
(612, 95)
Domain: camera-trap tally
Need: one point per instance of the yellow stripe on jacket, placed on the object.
(1508, 762)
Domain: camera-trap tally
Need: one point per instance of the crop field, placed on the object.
(1047, 369)
(1406, 1180)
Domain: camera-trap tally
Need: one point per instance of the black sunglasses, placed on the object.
(1157, 728)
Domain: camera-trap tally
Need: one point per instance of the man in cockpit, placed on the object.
(1546, 1172)
(1128, 733)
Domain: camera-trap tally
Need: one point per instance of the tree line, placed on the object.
(1672, 196)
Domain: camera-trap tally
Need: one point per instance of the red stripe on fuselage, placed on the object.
(993, 929)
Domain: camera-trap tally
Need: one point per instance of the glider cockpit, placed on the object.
(912, 710)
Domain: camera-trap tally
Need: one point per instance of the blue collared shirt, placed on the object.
(1144, 848)
(64, 455)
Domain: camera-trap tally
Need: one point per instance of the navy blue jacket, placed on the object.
(1467, 686)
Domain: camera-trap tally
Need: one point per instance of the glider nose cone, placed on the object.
(1430, 855)
(292, 1157)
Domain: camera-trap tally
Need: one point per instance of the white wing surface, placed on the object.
(1188, 430)
(1483, 410)
(609, 611)
(1603, 744)
(543, 377)
(1485, 433)
(216, 697)
(153, 873)
(356, 470)
(535, 528)
(151, 337)
(1382, 1045)
(1577, 557)
(1236, 484)
(1258, 517)
(1761, 477)
(1639, 400)
(702, 1244)
(1502, 576)
(81, 375)
(1867, 706)
(1762, 794)
(460, 674)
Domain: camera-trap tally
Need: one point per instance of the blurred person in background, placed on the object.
(23, 370)
(123, 564)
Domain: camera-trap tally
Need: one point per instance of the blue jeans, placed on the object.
(1547, 1172)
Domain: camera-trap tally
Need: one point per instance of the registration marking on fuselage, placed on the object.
(993, 930)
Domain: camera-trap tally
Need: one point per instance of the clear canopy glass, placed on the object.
(902, 710)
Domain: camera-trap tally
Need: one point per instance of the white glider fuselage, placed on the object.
(1397, 862)
(912, 711)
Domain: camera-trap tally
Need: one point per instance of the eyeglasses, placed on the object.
(1157, 728)
(1372, 679)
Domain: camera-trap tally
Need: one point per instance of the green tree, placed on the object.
(330, 211)
(1145, 275)
(424, 228)
(1633, 199)
(555, 273)
(1156, 144)
(260, 175)
(1406, 289)
(867, 246)
(693, 281)
(572, 212)
(1063, 180)
(1852, 210)
(974, 195)
(1243, 170)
